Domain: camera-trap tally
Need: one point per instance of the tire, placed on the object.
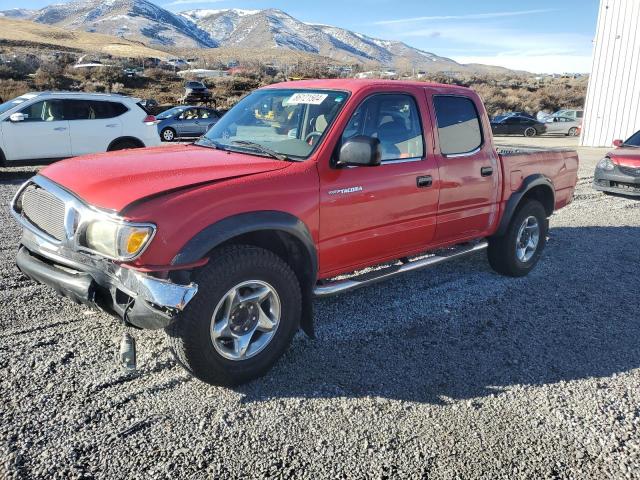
(191, 335)
(124, 145)
(503, 254)
(573, 132)
(530, 132)
(168, 135)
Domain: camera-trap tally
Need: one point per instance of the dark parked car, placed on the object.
(517, 125)
(188, 121)
(196, 92)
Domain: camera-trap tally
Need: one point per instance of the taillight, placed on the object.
(150, 120)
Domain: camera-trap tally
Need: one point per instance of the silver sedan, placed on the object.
(563, 125)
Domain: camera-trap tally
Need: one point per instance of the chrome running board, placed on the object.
(327, 289)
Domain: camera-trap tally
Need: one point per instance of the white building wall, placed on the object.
(612, 108)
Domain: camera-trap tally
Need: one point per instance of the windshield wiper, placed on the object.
(207, 142)
(262, 148)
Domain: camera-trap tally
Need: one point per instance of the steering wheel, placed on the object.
(309, 138)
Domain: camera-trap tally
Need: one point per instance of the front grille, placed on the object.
(634, 172)
(44, 210)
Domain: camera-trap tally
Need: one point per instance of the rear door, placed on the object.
(469, 169)
(44, 133)
(368, 214)
(94, 124)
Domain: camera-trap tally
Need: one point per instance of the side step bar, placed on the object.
(340, 286)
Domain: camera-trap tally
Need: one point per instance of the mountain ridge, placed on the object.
(142, 20)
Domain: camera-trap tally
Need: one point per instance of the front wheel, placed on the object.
(517, 251)
(243, 318)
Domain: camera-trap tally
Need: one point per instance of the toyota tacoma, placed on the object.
(225, 243)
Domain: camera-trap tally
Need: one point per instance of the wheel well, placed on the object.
(124, 139)
(283, 244)
(542, 194)
(3, 159)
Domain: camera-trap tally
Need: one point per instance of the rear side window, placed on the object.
(92, 109)
(459, 128)
(394, 120)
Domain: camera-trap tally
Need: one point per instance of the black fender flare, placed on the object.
(3, 159)
(272, 220)
(529, 183)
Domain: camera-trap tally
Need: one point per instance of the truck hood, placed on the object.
(628, 157)
(114, 180)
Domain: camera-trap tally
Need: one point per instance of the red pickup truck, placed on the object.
(290, 196)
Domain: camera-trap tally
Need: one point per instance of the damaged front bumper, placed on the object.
(141, 300)
(618, 181)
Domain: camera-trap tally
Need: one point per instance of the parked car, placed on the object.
(619, 170)
(225, 242)
(519, 114)
(46, 126)
(563, 125)
(195, 92)
(570, 113)
(514, 125)
(181, 122)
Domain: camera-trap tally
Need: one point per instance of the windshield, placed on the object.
(290, 123)
(172, 112)
(634, 140)
(6, 106)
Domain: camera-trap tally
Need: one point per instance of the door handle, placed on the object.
(424, 181)
(60, 129)
(486, 171)
(112, 125)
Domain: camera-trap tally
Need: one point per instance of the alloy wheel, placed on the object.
(527, 239)
(245, 320)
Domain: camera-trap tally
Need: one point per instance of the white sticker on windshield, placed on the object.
(307, 98)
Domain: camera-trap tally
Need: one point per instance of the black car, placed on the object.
(517, 125)
(195, 92)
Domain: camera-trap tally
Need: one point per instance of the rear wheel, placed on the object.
(124, 145)
(530, 132)
(243, 318)
(516, 252)
(573, 132)
(168, 135)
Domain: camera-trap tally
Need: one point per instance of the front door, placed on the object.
(370, 214)
(43, 134)
(469, 171)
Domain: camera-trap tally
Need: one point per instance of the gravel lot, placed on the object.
(451, 372)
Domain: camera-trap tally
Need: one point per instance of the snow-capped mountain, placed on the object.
(277, 29)
(145, 21)
(132, 19)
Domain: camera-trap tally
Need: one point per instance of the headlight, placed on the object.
(119, 241)
(605, 164)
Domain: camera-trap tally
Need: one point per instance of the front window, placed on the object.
(289, 123)
(633, 141)
(6, 106)
(45, 111)
(172, 112)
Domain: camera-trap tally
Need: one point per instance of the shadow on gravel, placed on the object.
(11, 175)
(574, 317)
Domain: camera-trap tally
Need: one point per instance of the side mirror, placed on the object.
(17, 117)
(616, 143)
(360, 151)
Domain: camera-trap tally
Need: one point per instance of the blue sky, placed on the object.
(541, 36)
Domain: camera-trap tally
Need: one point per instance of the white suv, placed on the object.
(47, 126)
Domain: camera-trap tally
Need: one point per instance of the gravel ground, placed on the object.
(451, 372)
